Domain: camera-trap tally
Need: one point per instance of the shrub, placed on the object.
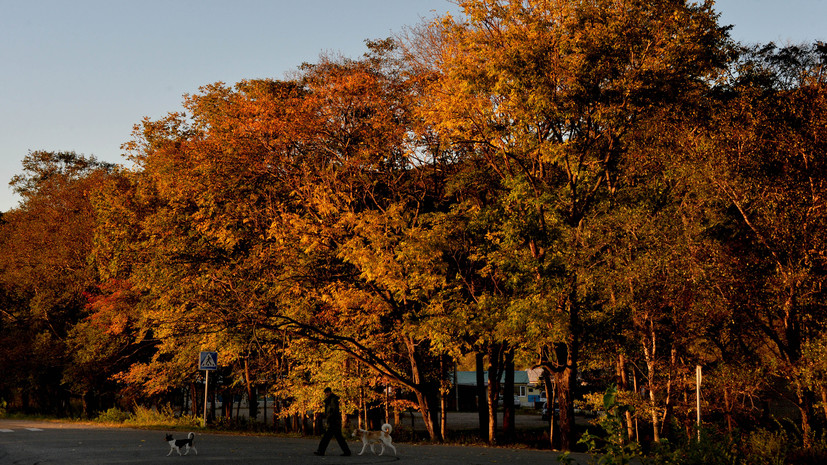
(711, 449)
(768, 447)
(163, 416)
(614, 445)
(114, 415)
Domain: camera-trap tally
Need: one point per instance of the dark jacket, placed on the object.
(332, 414)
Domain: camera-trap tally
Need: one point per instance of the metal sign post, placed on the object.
(206, 398)
(207, 361)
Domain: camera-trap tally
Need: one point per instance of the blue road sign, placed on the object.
(208, 361)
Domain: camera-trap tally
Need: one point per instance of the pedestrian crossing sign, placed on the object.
(208, 361)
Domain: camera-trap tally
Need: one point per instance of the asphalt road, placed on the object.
(40, 443)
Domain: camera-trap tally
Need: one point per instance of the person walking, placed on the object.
(333, 423)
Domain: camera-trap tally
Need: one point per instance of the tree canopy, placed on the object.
(601, 189)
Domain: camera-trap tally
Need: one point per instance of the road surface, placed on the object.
(24, 442)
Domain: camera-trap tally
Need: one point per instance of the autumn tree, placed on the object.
(763, 156)
(546, 93)
(46, 278)
(188, 228)
(659, 276)
(368, 199)
(286, 206)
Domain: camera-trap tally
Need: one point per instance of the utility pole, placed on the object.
(698, 377)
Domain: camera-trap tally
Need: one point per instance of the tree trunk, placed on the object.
(669, 404)
(482, 400)
(85, 404)
(227, 404)
(728, 410)
(443, 398)
(623, 384)
(194, 410)
(563, 366)
(494, 373)
(565, 381)
(567, 355)
(212, 402)
(637, 393)
(805, 408)
(427, 415)
(551, 395)
(492, 415)
(252, 394)
(649, 351)
(509, 427)
(426, 393)
(443, 415)
(362, 420)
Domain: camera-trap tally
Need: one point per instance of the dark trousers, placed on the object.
(334, 431)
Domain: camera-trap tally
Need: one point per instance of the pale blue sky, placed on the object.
(77, 75)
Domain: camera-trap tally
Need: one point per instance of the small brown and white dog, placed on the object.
(369, 438)
(177, 444)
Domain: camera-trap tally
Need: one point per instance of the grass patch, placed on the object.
(144, 417)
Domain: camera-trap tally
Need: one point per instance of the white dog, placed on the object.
(369, 438)
(177, 444)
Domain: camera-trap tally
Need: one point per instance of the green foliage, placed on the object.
(711, 449)
(615, 448)
(768, 447)
(148, 417)
(778, 446)
(163, 416)
(113, 415)
(566, 458)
